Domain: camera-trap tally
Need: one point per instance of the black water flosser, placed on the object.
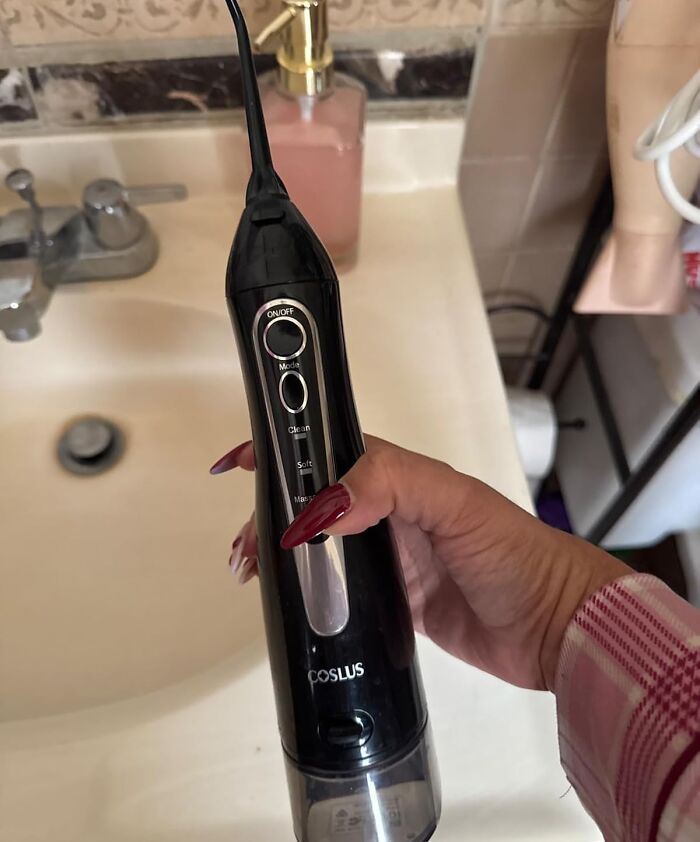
(350, 703)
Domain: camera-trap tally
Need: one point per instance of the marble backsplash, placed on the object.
(16, 103)
(57, 96)
(83, 94)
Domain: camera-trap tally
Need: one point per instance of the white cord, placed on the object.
(678, 125)
(671, 193)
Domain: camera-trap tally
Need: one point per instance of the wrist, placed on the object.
(587, 570)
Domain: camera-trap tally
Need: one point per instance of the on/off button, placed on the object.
(284, 338)
(294, 393)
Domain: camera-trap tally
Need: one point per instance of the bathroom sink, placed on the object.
(135, 695)
(116, 584)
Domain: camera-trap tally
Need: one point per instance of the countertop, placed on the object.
(201, 760)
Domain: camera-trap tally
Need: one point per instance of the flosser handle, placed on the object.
(290, 366)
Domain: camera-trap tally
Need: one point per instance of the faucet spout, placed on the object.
(42, 248)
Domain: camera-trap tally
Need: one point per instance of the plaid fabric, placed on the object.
(628, 703)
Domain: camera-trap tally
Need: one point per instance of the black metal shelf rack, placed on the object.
(632, 480)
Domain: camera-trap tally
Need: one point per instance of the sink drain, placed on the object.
(90, 445)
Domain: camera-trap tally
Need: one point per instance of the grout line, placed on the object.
(529, 204)
(507, 272)
(526, 251)
(496, 159)
(479, 54)
(513, 30)
(491, 20)
(565, 88)
(477, 160)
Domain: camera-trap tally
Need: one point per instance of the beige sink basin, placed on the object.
(116, 585)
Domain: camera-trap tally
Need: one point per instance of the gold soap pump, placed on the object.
(315, 122)
(305, 57)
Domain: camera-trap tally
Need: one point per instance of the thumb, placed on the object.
(390, 480)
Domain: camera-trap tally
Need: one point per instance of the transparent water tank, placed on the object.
(394, 801)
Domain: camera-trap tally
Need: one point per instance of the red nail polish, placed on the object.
(229, 460)
(326, 507)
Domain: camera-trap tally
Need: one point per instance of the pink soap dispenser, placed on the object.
(315, 121)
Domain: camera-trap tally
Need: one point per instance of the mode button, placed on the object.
(293, 392)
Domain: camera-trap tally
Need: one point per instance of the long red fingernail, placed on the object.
(229, 460)
(326, 507)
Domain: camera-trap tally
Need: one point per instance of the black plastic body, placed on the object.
(276, 255)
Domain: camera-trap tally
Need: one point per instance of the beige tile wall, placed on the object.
(534, 152)
(537, 13)
(32, 22)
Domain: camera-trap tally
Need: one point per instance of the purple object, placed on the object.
(552, 511)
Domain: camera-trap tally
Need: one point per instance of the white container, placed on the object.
(535, 427)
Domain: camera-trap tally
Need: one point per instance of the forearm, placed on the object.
(628, 700)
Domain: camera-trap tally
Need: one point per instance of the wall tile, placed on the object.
(520, 84)
(494, 196)
(533, 156)
(64, 21)
(580, 128)
(538, 275)
(525, 13)
(491, 269)
(564, 194)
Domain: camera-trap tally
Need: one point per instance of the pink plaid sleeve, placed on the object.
(628, 704)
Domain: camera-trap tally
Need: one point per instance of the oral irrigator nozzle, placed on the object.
(264, 179)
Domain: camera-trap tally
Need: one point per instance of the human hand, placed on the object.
(486, 581)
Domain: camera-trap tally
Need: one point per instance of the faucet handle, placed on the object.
(110, 212)
(104, 193)
(21, 182)
(110, 217)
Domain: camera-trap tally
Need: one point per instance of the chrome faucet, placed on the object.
(42, 248)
